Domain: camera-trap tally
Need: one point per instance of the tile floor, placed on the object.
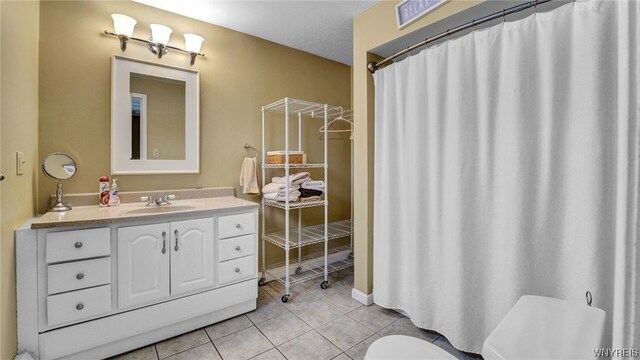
(315, 324)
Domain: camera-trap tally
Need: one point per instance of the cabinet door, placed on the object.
(143, 264)
(192, 255)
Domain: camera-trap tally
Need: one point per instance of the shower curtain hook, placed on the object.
(589, 298)
(504, 16)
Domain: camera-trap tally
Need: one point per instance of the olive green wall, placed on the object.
(239, 74)
(18, 132)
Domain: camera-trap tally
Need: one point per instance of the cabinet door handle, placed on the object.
(80, 306)
(80, 276)
(177, 236)
(237, 270)
(237, 247)
(164, 242)
(78, 245)
(238, 226)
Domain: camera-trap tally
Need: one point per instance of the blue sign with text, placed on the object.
(410, 10)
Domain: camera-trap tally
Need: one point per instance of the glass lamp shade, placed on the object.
(123, 24)
(193, 42)
(160, 34)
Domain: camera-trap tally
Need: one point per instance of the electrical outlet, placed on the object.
(156, 153)
(20, 163)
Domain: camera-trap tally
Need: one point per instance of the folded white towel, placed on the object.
(313, 186)
(249, 176)
(274, 188)
(293, 178)
(293, 196)
(314, 183)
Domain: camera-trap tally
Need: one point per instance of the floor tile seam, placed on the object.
(217, 350)
(359, 322)
(180, 352)
(260, 322)
(231, 333)
(290, 340)
(258, 354)
(265, 336)
(301, 319)
(338, 347)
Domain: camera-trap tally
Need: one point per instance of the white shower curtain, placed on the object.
(505, 165)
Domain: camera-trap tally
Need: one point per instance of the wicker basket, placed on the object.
(278, 157)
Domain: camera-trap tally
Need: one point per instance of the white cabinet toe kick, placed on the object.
(94, 292)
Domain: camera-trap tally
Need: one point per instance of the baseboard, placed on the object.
(359, 296)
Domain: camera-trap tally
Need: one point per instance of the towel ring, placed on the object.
(246, 149)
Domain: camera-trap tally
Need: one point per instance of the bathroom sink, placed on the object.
(160, 209)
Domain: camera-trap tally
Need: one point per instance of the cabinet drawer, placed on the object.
(78, 305)
(78, 275)
(236, 247)
(235, 225)
(77, 244)
(236, 270)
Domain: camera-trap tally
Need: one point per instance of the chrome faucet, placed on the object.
(160, 201)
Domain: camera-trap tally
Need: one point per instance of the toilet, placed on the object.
(537, 327)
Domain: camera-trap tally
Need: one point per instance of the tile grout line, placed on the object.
(179, 352)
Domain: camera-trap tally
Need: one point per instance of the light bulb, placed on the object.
(123, 24)
(160, 34)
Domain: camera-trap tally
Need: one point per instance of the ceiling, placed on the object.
(319, 27)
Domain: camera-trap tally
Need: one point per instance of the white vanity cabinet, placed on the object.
(161, 260)
(94, 291)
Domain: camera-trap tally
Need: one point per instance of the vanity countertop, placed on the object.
(95, 215)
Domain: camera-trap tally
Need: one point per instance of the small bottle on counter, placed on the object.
(104, 191)
(114, 198)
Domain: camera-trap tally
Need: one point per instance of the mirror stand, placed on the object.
(59, 166)
(60, 206)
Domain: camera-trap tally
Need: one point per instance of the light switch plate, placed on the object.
(20, 163)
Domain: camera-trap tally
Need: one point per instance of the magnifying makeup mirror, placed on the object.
(59, 166)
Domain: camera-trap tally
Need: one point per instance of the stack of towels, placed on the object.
(301, 188)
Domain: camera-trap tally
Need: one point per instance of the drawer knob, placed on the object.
(238, 226)
(237, 247)
(237, 270)
(78, 245)
(80, 276)
(80, 306)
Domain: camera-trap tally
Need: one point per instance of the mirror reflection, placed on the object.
(157, 118)
(59, 166)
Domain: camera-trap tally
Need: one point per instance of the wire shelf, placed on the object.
(300, 272)
(310, 234)
(294, 205)
(292, 166)
(307, 109)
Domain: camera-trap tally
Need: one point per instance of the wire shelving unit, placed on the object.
(305, 268)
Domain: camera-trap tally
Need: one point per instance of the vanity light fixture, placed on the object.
(159, 44)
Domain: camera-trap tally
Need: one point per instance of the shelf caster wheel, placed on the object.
(299, 270)
(324, 285)
(262, 281)
(285, 298)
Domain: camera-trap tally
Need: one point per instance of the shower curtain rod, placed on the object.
(373, 66)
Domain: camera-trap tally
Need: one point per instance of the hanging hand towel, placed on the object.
(249, 176)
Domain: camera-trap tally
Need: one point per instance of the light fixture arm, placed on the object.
(156, 48)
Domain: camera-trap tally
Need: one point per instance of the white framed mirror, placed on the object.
(155, 118)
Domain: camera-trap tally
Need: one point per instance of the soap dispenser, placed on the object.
(114, 198)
